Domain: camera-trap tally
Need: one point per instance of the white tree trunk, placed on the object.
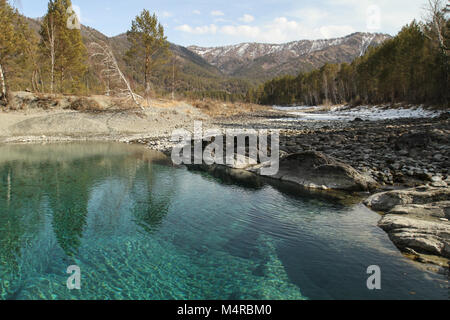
(52, 81)
(111, 67)
(51, 47)
(2, 84)
(173, 80)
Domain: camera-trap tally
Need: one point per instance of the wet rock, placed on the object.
(417, 219)
(386, 201)
(422, 236)
(318, 171)
(440, 210)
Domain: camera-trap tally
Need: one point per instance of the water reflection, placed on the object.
(68, 179)
(140, 229)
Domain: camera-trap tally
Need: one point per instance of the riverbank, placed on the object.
(366, 156)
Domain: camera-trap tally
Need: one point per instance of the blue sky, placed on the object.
(216, 23)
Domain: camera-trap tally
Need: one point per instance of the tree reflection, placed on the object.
(53, 186)
(150, 212)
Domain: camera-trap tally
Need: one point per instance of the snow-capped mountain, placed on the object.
(251, 59)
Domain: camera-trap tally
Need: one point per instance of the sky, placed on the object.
(216, 23)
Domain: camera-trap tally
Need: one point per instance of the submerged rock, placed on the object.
(317, 171)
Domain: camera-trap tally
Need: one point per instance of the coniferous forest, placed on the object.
(45, 56)
(412, 67)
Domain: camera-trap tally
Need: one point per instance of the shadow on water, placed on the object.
(250, 181)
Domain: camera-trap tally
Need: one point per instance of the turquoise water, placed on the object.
(140, 229)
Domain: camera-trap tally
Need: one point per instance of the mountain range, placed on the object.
(234, 69)
(268, 60)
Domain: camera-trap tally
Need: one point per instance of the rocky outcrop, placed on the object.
(309, 170)
(315, 170)
(386, 201)
(440, 210)
(422, 236)
(395, 152)
(417, 220)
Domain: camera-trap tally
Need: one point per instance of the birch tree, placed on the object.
(12, 45)
(175, 81)
(436, 27)
(62, 48)
(100, 52)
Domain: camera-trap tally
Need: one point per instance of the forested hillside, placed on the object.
(43, 55)
(265, 61)
(27, 64)
(412, 67)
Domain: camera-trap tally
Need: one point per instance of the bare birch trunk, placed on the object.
(51, 47)
(173, 79)
(3, 85)
(111, 67)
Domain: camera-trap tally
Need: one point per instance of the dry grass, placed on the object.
(85, 105)
(225, 109)
(160, 103)
(104, 104)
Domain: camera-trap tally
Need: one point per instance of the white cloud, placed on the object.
(393, 14)
(220, 20)
(279, 30)
(196, 12)
(309, 20)
(211, 29)
(217, 13)
(311, 15)
(247, 18)
(243, 30)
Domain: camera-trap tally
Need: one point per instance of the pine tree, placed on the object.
(12, 45)
(149, 47)
(62, 49)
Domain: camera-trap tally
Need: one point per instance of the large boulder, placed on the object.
(416, 220)
(386, 201)
(422, 236)
(440, 210)
(315, 170)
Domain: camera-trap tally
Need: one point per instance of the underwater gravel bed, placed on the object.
(139, 228)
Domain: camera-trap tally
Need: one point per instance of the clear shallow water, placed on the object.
(141, 229)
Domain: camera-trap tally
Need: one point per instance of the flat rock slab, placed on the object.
(417, 220)
(419, 235)
(386, 201)
(440, 210)
(316, 170)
